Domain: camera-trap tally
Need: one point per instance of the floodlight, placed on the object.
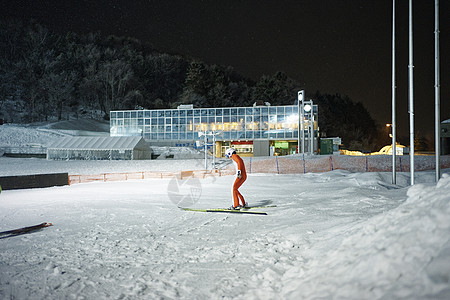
(307, 108)
(300, 95)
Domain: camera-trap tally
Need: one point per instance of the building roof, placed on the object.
(100, 143)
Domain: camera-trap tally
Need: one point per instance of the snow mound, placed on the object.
(13, 135)
(80, 124)
(408, 245)
(24, 136)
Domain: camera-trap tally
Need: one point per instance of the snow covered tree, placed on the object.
(214, 86)
(278, 89)
(162, 79)
(115, 77)
(37, 56)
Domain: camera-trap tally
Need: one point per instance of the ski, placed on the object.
(224, 210)
(25, 229)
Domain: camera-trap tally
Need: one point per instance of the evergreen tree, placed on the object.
(163, 77)
(197, 84)
(340, 117)
(278, 89)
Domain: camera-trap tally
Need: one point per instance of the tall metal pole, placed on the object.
(206, 152)
(411, 96)
(437, 95)
(299, 144)
(311, 147)
(301, 96)
(394, 138)
(214, 152)
(302, 115)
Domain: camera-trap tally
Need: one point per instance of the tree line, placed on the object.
(49, 76)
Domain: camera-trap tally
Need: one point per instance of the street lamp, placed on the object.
(301, 137)
(308, 108)
(308, 111)
(390, 125)
(305, 108)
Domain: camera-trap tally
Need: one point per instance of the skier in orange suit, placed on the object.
(241, 176)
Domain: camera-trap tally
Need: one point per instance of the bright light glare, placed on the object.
(307, 108)
(292, 118)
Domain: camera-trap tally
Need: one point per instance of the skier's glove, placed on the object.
(239, 174)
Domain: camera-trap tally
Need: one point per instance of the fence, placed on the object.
(284, 165)
(314, 164)
(146, 175)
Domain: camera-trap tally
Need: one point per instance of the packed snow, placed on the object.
(332, 235)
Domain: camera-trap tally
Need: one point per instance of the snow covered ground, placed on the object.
(333, 235)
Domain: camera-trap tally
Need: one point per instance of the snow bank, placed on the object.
(23, 136)
(401, 254)
(80, 125)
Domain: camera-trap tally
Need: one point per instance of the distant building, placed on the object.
(252, 131)
(99, 148)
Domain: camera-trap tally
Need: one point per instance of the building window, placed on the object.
(273, 122)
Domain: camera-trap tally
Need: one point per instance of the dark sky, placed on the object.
(334, 46)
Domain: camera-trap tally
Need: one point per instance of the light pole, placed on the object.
(307, 107)
(301, 136)
(411, 94)
(394, 136)
(303, 128)
(312, 129)
(437, 96)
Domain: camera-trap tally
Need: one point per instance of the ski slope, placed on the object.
(335, 235)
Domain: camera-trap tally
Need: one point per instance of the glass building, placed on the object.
(257, 130)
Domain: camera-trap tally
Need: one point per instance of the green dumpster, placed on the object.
(326, 146)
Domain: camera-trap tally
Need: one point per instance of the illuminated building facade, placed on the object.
(252, 131)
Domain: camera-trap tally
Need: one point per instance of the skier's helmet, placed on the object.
(229, 152)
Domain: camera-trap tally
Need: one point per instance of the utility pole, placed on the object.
(437, 96)
(411, 95)
(394, 138)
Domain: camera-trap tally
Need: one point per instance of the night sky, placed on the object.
(334, 46)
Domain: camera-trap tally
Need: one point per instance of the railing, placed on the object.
(146, 175)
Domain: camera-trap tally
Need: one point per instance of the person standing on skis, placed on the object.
(241, 176)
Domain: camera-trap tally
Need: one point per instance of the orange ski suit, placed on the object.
(240, 169)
